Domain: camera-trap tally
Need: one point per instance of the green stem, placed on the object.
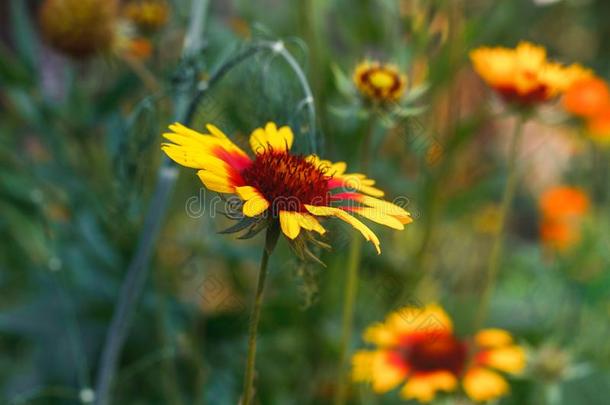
(493, 264)
(272, 236)
(351, 289)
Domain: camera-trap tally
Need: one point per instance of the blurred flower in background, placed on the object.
(148, 15)
(562, 210)
(82, 29)
(523, 75)
(587, 97)
(419, 347)
(79, 28)
(379, 82)
(599, 126)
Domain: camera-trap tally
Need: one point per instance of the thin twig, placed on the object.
(495, 257)
(137, 271)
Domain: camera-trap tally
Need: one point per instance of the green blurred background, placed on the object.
(79, 147)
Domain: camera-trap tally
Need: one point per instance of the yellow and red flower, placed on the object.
(523, 75)
(417, 346)
(380, 82)
(562, 209)
(277, 185)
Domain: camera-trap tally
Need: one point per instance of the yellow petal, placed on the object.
(380, 334)
(386, 207)
(191, 148)
(364, 230)
(216, 132)
(484, 385)
(357, 182)
(509, 359)
(374, 367)
(379, 217)
(338, 168)
(289, 222)
(424, 387)
(215, 182)
(270, 137)
(493, 338)
(187, 157)
(255, 206)
(247, 192)
(425, 319)
(310, 223)
(419, 388)
(181, 129)
(259, 142)
(285, 137)
(320, 210)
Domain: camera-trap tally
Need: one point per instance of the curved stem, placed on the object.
(272, 236)
(133, 284)
(279, 48)
(493, 264)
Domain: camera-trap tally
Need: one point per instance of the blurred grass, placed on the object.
(79, 148)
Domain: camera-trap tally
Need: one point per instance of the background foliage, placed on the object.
(79, 147)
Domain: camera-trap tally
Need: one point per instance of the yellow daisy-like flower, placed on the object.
(148, 15)
(277, 185)
(379, 82)
(523, 75)
(79, 28)
(417, 347)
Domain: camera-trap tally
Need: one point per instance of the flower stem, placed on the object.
(351, 288)
(272, 236)
(493, 264)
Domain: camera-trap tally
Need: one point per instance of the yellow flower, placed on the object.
(524, 75)
(148, 15)
(277, 185)
(417, 347)
(79, 28)
(379, 82)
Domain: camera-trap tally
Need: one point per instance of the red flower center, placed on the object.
(434, 352)
(537, 95)
(288, 181)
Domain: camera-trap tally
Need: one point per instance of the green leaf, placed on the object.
(344, 84)
(23, 33)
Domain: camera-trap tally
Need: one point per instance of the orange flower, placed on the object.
(562, 211)
(599, 126)
(139, 48)
(524, 75)
(417, 347)
(587, 98)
